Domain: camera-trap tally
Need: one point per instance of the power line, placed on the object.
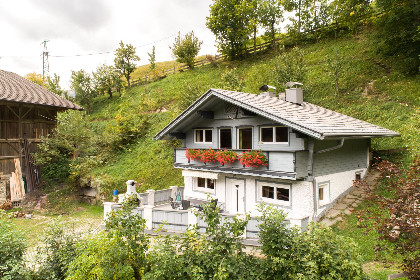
(108, 52)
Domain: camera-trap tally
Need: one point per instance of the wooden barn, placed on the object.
(27, 113)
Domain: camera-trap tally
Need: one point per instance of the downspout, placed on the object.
(311, 176)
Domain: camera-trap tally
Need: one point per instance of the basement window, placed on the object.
(323, 193)
(205, 183)
(274, 134)
(203, 136)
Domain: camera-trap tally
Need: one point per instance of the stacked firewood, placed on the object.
(17, 188)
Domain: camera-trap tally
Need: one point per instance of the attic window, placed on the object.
(274, 134)
(203, 136)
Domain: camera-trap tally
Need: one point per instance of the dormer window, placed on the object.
(274, 134)
(203, 136)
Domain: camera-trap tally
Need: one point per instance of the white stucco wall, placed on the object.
(301, 202)
(338, 184)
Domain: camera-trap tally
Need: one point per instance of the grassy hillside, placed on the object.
(370, 89)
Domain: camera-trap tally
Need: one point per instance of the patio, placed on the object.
(157, 208)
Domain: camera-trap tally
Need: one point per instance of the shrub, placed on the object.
(57, 251)
(215, 254)
(101, 257)
(12, 248)
(316, 253)
(128, 231)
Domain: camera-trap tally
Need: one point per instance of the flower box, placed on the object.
(252, 158)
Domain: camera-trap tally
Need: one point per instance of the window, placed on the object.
(358, 176)
(274, 134)
(205, 183)
(274, 193)
(245, 138)
(323, 193)
(203, 136)
(225, 138)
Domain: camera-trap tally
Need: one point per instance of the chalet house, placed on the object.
(27, 113)
(309, 155)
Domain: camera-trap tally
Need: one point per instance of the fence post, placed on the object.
(148, 216)
(151, 197)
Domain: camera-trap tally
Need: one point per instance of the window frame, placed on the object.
(326, 193)
(274, 127)
(204, 136)
(231, 137)
(206, 182)
(238, 135)
(275, 201)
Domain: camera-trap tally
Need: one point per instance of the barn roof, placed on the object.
(307, 118)
(14, 88)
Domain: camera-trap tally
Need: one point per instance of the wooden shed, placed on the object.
(28, 112)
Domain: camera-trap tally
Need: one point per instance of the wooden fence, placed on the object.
(205, 61)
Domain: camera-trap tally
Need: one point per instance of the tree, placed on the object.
(398, 32)
(125, 56)
(34, 77)
(106, 78)
(186, 49)
(271, 13)
(152, 59)
(335, 68)
(230, 22)
(81, 83)
(54, 86)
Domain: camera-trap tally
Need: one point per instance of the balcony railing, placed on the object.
(278, 164)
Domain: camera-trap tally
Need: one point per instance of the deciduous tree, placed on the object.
(185, 49)
(106, 78)
(81, 83)
(34, 77)
(271, 13)
(125, 57)
(152, 59)
(229, 20)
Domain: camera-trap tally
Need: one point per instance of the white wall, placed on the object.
(301, 194)
(339, 183)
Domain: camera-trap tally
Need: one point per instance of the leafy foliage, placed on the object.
(152, 59)
(125, 56)
(34, 77)
(316, 253)
(57, 251)
(186, 49)
(82, 84)
(398, 34)
(12, 248)
(229, 20)
(106, 78)
(215, 254)
(71, 150)
(54, 86)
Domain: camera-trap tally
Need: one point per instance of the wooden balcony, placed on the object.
(284, 165)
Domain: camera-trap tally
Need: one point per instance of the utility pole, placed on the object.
(45, 63)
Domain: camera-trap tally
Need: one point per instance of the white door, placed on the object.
(237, 194)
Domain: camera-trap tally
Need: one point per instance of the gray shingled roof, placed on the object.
(14, 88)
(307, 118)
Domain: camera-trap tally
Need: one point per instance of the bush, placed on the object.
(101, 257)
(57, 251)
(12, 248)
(316, 253)
(216, 254)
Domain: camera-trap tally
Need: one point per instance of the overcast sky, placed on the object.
(81, 27)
